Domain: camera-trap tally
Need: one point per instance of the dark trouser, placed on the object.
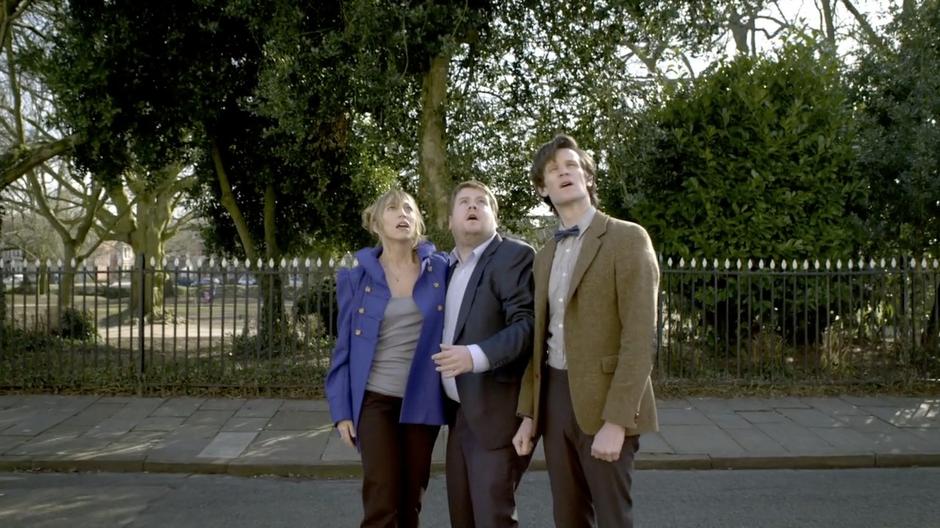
(584, 488)
(481, 482)
(396, 463)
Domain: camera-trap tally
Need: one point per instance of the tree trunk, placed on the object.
(67, 276)
(153, 218)
(432, 154)
(830, 29)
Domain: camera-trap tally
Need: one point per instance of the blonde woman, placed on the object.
(384, 393)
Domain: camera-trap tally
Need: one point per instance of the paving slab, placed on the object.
(212, 417)
(699, 439)
(285, 446)
(729, 420)
(755, 441)
(222, 404)
(35, 423)
(811, 418)
(259, 408)
(305, 405)
(9, 442)
(159, 423)
(833, 406)
(763, 417)
(653, 443)
(237, 424)
(297, 420)
(227, 445)
(178, 407)
(794, 438)
(686, 416)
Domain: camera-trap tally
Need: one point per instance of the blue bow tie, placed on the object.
(571, 231)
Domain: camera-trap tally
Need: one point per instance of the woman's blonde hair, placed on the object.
(372, 215)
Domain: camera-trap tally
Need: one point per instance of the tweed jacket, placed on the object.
(363, 294)
(609, 329)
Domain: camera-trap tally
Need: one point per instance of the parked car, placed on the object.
(246, 280)
(12, 280)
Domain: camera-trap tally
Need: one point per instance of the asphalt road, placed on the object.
(778, 498)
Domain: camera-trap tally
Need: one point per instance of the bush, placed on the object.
(77, 324)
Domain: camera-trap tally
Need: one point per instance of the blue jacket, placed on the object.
(362, 295)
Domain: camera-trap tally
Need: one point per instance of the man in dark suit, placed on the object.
(587, 390)
(487, 344)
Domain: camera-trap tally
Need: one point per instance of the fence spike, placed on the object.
(739, 264)
(332, 263)
(260, 263)
(283, 263)
(828, 264)
(805, 264)
(750, 264)
(38, 263)
(681, 262)
(894, 262)
(861, 263)
(669, 262)
(850, 264)
(783, 265)
(773, 264)
(727, 264)
(153, 261)
(760, 263)
(224, 262)
(923, 263)
(72, 262)
(882, 262)
(793, 265)
(355, 261)
(913, 264)
(270, 263)
(872, 263)
(694, 263)
(294, 262)
(816, 264)
(935, 263)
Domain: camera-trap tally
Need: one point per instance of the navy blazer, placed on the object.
(496, 313)
(363, 294)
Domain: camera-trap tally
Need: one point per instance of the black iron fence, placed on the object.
(797, 322)
(216, 323)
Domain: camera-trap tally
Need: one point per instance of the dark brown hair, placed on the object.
(546, 153)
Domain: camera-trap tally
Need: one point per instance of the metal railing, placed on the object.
(219, 324)
(272, 325)
(799, 322)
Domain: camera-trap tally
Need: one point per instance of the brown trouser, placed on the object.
(584, 488)
(396, 463)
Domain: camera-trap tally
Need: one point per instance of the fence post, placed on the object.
(140, 323)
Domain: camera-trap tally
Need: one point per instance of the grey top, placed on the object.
(567, 251)
(398, 338)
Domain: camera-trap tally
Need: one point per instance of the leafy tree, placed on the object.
(755, 159)
(189, 83)
(897, 92)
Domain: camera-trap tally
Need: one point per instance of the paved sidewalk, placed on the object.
(295, 437)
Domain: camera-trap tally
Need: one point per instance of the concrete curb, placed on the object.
(352, 470)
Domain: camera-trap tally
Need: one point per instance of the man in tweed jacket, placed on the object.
(587, 390)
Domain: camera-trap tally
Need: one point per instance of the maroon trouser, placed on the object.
(396, 463)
